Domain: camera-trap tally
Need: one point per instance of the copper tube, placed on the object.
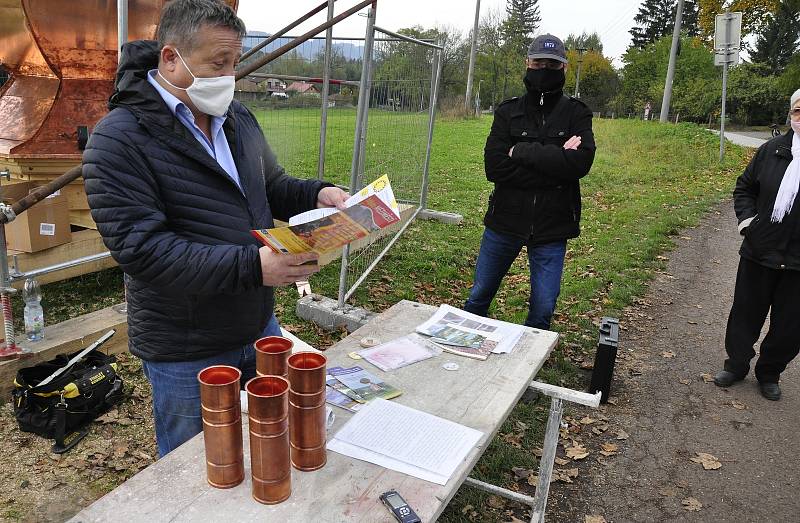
(272, 353)
(307, 428)
(315, 399)
(222, 425)
(268, 413)
(307, 372)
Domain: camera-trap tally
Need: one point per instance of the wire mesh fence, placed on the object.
(397, 133)
(388, 135)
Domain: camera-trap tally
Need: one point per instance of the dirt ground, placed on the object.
(678, 448)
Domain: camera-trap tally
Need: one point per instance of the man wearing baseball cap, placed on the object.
(540, 146)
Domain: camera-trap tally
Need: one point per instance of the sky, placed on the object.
(610, 18)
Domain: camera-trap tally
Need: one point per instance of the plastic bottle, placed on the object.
(34, 314)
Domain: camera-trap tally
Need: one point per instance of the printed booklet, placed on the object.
(367, 386)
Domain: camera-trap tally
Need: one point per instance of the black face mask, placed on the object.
(545, 80)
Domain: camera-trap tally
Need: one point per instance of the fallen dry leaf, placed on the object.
(738, 405)
(685, 381)
(667, 354)
(594, 519)
(533, 480)
(537, 452)
(608, 449)
(564, 475)
(577, 452)
(466, 509)
(586, 420)
(708, 378)
(692, 504)
(708, 461)
(561, 461)
(621, 434)
(496, 502)
(521, 473)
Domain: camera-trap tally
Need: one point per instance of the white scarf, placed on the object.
(789, 185)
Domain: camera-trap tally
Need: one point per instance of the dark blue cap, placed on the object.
(547, 46)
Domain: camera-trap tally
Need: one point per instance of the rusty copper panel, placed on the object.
(268, 413)
(77, 49)
(222, 425)
(26, 95)
(18, 50)
(272, 354)
(307, 372)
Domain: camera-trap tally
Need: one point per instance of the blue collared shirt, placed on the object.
(218, 148)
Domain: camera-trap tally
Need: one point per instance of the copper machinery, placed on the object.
(62, 58)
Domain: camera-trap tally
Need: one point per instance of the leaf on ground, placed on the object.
(667, 354)
(708, 378)
(496, 502)
(692, 504)
(594, 519)
(515, 440)
(685, 381)
(738, 405)
(466, 509)
(564, 475)
(577, 452)
(708, 461)
(621, 434)
(533, 480)
(537, 452)
(521, 473)
(608, 449)
(586, 420)
(561, 461)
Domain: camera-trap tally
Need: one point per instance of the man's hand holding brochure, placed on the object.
(321, 230)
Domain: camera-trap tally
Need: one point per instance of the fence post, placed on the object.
(437, 71)
(326, 82)
(360, 135)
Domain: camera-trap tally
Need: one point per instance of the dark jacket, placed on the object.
(774, 245)
(177, 224)
(537, 194)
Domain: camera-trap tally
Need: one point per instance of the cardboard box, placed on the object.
(42, 226)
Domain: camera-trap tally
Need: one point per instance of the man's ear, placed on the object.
(169, 58)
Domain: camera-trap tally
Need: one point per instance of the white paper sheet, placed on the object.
(399, 437)
(508, 334)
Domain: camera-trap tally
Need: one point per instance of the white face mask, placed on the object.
(210, 95)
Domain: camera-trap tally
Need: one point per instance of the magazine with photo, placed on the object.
(366, 385)
(481, 353)
(337, 398)
(399, 352)
(337, 385)
(504, 334)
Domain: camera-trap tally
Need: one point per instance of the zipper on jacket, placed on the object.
(541, 100)
(533, 210)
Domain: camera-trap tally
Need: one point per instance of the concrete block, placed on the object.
(449, 218)
(326, 313)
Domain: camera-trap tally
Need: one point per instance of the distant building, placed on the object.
(303, 88)
(253, 89)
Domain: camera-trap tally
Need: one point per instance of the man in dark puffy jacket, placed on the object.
(540, 145)
(177, 175)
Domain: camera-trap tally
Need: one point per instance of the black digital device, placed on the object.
(399, 508)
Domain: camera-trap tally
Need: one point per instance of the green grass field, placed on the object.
(648, 182)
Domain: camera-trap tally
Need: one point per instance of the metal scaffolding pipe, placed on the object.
(271, 38)
(308, 79)
(261, 62)
(35, 273)
(405, 38)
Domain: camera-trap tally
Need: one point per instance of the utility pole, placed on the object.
(472, 54)
(673, 56)
(722, 115)
(580, 50)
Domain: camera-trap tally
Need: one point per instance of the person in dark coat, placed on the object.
(177, 174)
(768, 279)
(540, 146)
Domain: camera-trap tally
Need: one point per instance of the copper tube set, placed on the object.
(286, 419)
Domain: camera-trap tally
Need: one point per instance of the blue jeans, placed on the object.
(498, 251)
(176, 392)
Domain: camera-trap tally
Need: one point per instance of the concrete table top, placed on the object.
(480, 394)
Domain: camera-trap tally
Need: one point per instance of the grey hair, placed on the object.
(181, 21)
